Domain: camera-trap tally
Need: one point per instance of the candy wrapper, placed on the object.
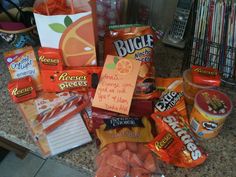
(171, 96)
(71, 79)
(50, 59)
(205, 76)
(175, 143)
(22, 89)
(127, 159)
(135, 41)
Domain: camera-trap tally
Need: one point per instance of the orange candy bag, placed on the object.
(135, 41)
(22, 89)
(126, 159)
(174, 130)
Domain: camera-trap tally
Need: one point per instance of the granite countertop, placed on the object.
(221, 150)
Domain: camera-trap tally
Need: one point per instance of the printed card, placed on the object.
(117, 83)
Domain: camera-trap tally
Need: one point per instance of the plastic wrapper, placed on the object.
(171, 96)
(55, 121)
(50, 59)
(134, 41)
(175, 143)
(22, 89)
(71, 79)
(127, 159)
(205, 76)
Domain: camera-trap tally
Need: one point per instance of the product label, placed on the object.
(168, 101)
(22, 92)
(129, 46)
(120, 122)
(165, 141)
(184, 136)
(48, 61)
(79, 81)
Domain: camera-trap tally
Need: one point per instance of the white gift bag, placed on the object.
(72, 31)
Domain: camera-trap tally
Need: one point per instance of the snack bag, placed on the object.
(123, 128)
(134, 41)
(70, 79)
(22, 89)
(21, 63)
(171, 96)
(205, 76)
(50, 59)
(175, 143)
(126, 159)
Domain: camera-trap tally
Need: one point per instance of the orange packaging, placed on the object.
(50, 58)
(171, 95)
(172, 129)
(205, 76)
(172, 83)
(121, 128)
(21, 89)
(135, 41)
(21, 63)
(76, 79)
(211, 107)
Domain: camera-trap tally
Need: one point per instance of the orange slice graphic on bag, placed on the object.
(78, 44)
(124, 66)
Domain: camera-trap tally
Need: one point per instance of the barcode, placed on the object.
(194, 125)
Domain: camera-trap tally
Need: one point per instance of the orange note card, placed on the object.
(116, 85)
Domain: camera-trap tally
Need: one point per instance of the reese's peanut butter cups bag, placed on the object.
(135, 41)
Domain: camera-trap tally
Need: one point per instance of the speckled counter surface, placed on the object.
(221, 161)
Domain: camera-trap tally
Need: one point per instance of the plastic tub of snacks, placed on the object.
(190, 89)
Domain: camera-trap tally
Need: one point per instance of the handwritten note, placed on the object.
(117, 83)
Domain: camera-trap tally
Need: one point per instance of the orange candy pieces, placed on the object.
(123, 162)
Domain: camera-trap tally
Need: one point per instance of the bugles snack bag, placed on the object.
(175, 136)
(134, 41)
(50, 58)
(21, 89)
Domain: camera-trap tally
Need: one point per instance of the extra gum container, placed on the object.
(190, 89)
(211, 107)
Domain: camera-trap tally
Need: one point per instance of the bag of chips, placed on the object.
(135, 41)
(175, 143)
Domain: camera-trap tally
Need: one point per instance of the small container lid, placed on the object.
(213, 102)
